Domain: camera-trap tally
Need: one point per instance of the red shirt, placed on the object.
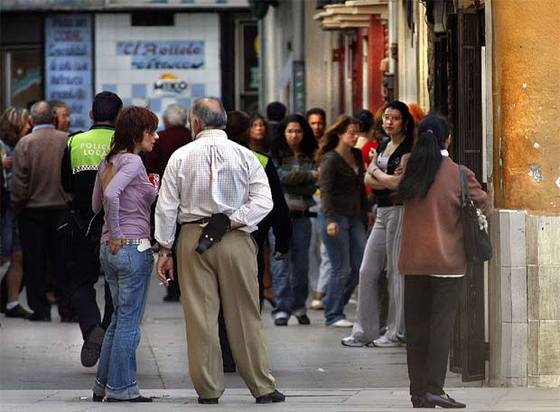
(169, 140)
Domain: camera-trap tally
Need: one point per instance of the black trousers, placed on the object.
(83, 270)
(42, 238)
(430, 309)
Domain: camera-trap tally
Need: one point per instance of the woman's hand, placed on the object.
(332, 229)
(114, 245)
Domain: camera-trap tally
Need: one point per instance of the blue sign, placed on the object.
(163, 54)
(69, 64)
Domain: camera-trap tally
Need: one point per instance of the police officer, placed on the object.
(84, 153)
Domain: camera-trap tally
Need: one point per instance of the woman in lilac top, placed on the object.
(124, 192)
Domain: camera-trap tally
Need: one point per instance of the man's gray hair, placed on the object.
(175, 115)
(210, 111)
(42, 113)
(57, 104)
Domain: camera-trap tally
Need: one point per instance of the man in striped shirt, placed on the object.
(208, 176)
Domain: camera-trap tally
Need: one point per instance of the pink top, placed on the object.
(127, 199)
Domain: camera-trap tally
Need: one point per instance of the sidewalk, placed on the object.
(40, 370)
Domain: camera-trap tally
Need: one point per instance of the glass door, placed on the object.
(22, 76)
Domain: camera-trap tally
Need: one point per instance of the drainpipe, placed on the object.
(391, 77)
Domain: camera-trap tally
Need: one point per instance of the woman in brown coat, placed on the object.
(432, 258)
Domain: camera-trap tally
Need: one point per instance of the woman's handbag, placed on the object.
(477, 244)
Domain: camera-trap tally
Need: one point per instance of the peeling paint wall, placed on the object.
(526, 83)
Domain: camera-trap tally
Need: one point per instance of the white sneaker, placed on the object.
(317, 304)
(385, 342)
(342, 323)
(353, 342)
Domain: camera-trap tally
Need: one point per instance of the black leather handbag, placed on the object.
(477, 244)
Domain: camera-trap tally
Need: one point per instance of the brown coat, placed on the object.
(36, 178)
(432, 235)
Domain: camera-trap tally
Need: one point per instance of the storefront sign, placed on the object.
(169, 84)
(163, 55)
(68, 62)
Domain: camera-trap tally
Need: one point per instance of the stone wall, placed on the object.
(524, 306)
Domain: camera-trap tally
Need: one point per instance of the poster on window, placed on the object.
(68, 65)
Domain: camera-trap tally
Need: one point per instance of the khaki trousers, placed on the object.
(226, 272)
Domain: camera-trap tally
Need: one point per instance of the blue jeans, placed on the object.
(290, 276)
(345, 252)
(128, 274)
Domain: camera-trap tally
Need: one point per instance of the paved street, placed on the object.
(40, 370)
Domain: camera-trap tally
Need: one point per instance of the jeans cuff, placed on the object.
(280, 314)
(98, 388)
(129, 392)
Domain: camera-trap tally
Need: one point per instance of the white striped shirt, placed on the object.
(211, 175)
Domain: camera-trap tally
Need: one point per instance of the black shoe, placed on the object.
(92, 347)
(17, 312)
(418, 402)
(271, 397)
(35, 317)
(208, 401)
(303, 319)
(138, 399)
(443, 401)
(281, 321)
(97, 398)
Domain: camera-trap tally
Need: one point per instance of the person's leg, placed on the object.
(417, 302)
(314, 255)
(356, 242)
(366, 328)
(235, 261)
(446, 294)
(201, 305)
(395, 316)
(325, 270)
(108, 308)
(300, 264)
(33, 230)
(111, 289)
(339, 254)
(283, 296)
(133, 269)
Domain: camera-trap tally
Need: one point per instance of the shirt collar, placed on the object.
(444, 152)
(211, 133)
(43, 126)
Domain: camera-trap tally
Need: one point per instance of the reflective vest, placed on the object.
(88, 149)
(262, 158)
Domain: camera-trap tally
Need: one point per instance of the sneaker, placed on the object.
(317, 304)
(17, 312)
(281, 322)
(352, 342)
(342, 323)
(385, 342)
(92, 347)
(303, 319)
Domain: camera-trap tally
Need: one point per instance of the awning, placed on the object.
(352, 14)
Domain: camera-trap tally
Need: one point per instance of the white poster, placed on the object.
(69, 65)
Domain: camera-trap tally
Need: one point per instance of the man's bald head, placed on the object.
(209, 112)
(42, 113)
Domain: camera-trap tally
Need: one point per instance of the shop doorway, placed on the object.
(21, 72)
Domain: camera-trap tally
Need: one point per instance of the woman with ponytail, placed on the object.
(382, 244)
(432, 258)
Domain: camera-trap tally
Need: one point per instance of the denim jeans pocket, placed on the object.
(120, 260)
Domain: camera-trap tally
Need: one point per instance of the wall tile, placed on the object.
(533, 348)
(549, 240)
(533, 292)
(518, 282)
(549, 347)
(519, 339)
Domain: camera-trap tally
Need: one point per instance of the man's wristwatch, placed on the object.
(164, 254)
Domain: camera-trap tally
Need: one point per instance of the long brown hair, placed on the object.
(12, 122)
(130, 126)
(330, 140)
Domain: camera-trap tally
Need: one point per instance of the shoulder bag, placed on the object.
(477, 244)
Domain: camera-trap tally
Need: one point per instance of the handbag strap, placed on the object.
(464, 188)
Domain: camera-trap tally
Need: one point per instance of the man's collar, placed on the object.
(211, 133)
(102, 126)
(42, 126)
